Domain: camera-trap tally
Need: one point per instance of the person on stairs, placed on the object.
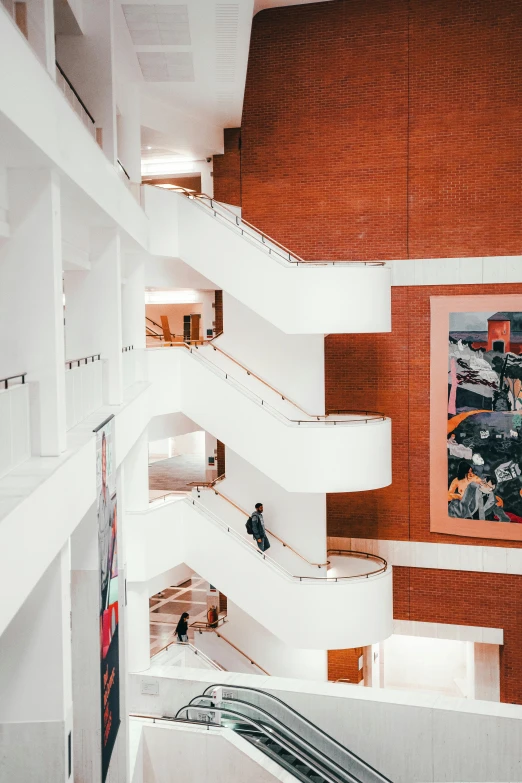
(182, 628)
(258, 528)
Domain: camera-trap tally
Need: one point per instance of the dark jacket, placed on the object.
(182, 627)
(258, 525)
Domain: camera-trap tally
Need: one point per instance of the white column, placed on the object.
(133, 312)
(207, 181)
(31, 302)
(486, 672)
(88, 61)
(136, 475)
(94, 298)
(210, 449)
(85, 624)
(35, 680)
(129, 130)
(136, 498)
(138, 627)
(207, 312)
(40, 32)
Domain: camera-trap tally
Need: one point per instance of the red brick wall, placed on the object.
(227, 169)
(467, 598)
(390, 373)
(221, 458)
(218, 312)
(377, 129)
(344, 665)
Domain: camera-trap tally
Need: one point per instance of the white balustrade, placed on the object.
(15, 441)
(83, 391)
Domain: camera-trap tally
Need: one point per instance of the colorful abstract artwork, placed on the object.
(109, 602)
(484, 435)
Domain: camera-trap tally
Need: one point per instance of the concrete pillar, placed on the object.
(210, 451)
(31, 302)
(129, 130)
(85, 624)
(133, 312)
(486, 665)
(207, 313)
(138, 627)
(35, 681)
(136, 475)
(40, 32)
(88, 61)
(98, 291)
(207, 182)
(136, 498)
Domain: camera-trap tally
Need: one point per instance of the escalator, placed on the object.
(282, 733)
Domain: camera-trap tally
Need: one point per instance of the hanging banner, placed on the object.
(108, 558)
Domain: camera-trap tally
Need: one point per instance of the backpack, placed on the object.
(249, 528)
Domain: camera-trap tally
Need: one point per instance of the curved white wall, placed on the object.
(353, 612)
(312, 457)
(297, 299)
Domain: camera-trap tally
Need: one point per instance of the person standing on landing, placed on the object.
(258, 528)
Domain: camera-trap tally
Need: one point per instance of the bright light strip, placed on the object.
(185, 296)
(167, 165)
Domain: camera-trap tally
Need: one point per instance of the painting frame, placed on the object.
(440, 522)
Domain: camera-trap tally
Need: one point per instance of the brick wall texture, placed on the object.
(390, 129)
(467, 598)
(390, 373)
(218, 312)
(377, 129)
(227, 169)
(344, 665)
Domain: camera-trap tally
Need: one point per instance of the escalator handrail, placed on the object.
(305, 720)
(268, 731)
(281, 726)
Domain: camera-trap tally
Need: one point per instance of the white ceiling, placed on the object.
(193, 56)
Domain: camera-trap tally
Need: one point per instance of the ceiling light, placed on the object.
(181, 296)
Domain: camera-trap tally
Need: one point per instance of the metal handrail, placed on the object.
(153, 322)
(301, 717)
(361, 417)
(287, 255)
(127, 348)
(84, 107)
(85, 359)
(248, 658)
(214, 664)
(122, 167)
(211, 485)
(198, 624)
(5, 381)
(284, 397)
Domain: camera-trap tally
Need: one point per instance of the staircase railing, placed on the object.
(192, 648)
(251, 547)
(359, 417)
(212, 485)
(268, 243)
(236, 648)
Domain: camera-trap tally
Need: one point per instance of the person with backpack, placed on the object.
(182, 628)
(257, 525)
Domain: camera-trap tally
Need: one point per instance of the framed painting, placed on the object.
(476, 416)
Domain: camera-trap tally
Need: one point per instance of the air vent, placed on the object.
(158, 24)
(166, 66)
(227, 21)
